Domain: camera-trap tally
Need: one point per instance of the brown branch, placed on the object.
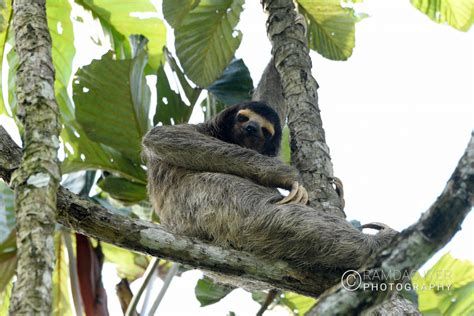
(413, 246)
(309, 151)
(142, 236)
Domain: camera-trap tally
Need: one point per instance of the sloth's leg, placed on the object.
(309, 237)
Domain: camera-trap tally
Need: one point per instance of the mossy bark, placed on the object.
(309, 151)
(36, 181)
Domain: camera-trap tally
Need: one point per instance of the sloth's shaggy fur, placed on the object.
(203, 185)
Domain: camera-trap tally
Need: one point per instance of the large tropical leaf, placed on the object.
(63, 51)
(235, 85)
(112, 102)
(84, 154)
(447, 288)
(5, 18)
(206, 40)
(123, 190)
(61, 302)
(331, 28)
(170, 107)
(129, 18)
(457, 13)
(175, 10)
(130, 265)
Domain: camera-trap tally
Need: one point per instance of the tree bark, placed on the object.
(37, 179)
(309, 151)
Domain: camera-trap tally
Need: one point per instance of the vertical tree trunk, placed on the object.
(37, 179)
(309, 151)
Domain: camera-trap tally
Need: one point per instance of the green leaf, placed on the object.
(62, 35)
(235, 85)
(207, 292)
(191, 93)
(298, 304)
(129, 18)
(7, 268)
(206, 40)
(175, 10)
(130, 265)
(5, 299)
(61, 303)
(63, 52)
(447, 288)
(457, 13)
(112, 102)
(285, 146)
(123, 190)
(170, 108)
(84, 154)
(331, 28)
(5, 18)
(211, 106)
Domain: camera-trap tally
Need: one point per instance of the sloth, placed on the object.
(218, 181)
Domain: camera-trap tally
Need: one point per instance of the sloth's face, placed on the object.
(251, 130)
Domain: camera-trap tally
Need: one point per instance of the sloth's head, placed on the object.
(253, 125)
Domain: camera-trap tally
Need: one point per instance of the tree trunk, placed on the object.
(309, 151)
(37, 179)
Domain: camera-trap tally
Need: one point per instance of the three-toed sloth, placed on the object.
(217, 181)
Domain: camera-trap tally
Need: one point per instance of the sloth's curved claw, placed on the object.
(376, 225)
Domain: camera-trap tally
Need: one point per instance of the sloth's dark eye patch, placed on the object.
(242, 118)
(266, 132)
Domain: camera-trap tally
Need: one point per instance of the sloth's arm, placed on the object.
(183, 146)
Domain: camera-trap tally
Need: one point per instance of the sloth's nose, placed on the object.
(251, 128)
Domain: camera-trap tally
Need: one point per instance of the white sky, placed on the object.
(398, 115)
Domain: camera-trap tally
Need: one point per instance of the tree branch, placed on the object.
(309, 151)
(413, 246)
(95, 221)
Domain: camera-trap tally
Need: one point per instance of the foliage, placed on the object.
(457, 13)
(208, 292)
(447, 288)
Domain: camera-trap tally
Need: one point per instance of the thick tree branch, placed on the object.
(309, 151)
(415, 245)
(95, 221)
(37, 179)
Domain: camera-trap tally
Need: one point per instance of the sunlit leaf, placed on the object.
(235, 85)
(5, 19)
(112, 102)
(298, 304)
(207, 292)
(131, 18)
(447, 288)
(457, 13)
(5, 299)
(130, 265)
(206, 39)
(61, 302)
(331, 28)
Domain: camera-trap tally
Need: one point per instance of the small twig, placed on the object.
(146, 279)
(268, 300)
(166, 283)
